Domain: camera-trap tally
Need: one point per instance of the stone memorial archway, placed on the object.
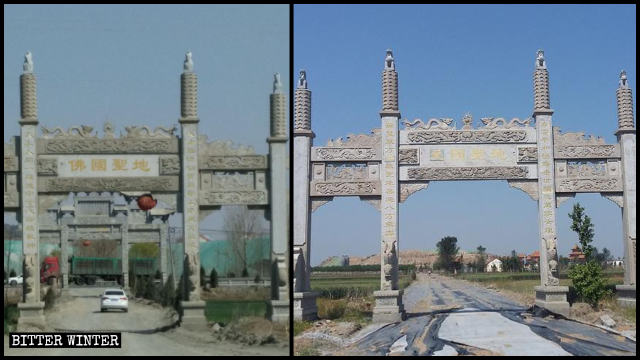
(189, 173)
(388, 165)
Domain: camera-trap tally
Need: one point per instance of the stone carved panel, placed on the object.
(347, 172)
(586, 169)
(11, 200)
(604, 184)
(160, 183)
(577, 145)
(528, 186)
(170, 165)
(344, 154)
(232, 181)
(107, 146)
(408, 189)
(345, 188)
(466, 136)
(408, 157)
(222, 147)
(11, 163)
(214, 198)
(47, 167)
(461, 173)
(361, 140)
(528, 154)
(233, 162)
(433, 123)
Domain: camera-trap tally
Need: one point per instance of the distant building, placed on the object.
(494, 265)
(615, 263)
(576, 256)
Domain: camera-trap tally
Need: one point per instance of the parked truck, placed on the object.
(87, 270)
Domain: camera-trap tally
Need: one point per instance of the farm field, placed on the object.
(225, 311)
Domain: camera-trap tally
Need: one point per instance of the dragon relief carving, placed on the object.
(589, 185)
(433, 123)
(453, 173)
(145, 131)
(83, 131)
(169, 165)
(347, 188)
(47, 167)
(466, 136)
(501, 123)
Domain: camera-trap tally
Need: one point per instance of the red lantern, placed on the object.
(86, 243)
(146, 202)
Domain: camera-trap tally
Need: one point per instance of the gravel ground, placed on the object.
(452, 317)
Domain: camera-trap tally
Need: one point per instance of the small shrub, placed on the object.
(213, 278)
(202, 275)
(12, 273)
(413, 274)
(589, 283)
(231, 275)
(245, 273)
(257, 279)
(168, 292)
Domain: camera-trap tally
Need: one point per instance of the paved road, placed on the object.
(79, 310)
(452, 317)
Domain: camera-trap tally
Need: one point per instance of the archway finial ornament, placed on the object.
(187, 172)
(534, 156)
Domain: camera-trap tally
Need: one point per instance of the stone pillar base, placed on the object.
(304, 306)
(193, 315)
(553, 298)
(279, 310)
(31, 314)
(388, 307)
(626, 295)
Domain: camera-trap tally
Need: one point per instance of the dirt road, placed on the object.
(453, 317)
(79, 310)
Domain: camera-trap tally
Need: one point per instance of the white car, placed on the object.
(114, 299)
(16, 280)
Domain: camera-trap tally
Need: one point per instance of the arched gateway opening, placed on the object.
(404, 156)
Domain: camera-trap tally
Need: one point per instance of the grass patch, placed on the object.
(225, 311)
(308, 351)
(11, 314)
(300, 326)
(361, 286)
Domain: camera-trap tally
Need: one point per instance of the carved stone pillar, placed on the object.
(388, 306)
(64, 256)
(124, 249)
(31, 309)
(164, 235)
(193, 314)
(549, 295)
(304, 300)
(279, 205)
(627, 139)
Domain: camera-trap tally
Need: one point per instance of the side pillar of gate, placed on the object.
(388, 300)
(31, 309)
(304, 300)
(278, 202)
(193, 307)
(549, 295)
(627, 140)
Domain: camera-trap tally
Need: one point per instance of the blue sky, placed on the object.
(122, 64)
(453, 59)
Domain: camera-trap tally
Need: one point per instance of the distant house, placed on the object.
(494, 265)
(615, 263)
(576, 256)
